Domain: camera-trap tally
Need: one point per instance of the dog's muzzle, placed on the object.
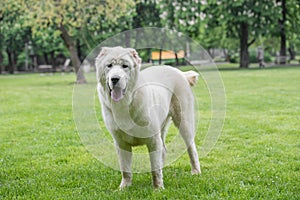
(116, 91)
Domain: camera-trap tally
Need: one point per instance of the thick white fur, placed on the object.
(150, 98)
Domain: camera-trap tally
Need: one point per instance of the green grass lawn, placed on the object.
(256, 157)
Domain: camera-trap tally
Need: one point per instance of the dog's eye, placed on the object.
(109, 66)
(125, 66)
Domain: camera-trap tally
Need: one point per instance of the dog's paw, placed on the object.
(158, 184)
(159, 187)
(196, 171)
(124, 184)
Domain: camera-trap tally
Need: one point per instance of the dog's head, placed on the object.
(117, 69)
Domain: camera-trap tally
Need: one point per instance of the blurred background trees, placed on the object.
(34, 32)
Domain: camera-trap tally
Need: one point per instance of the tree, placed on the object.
(213, 33)
(47, 44)
(1, 46)
(281, 23)
(183, 16)
(245, 20)
(68, 17)
(14, 33)
(288, 23)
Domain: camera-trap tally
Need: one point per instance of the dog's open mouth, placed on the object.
(117, 93)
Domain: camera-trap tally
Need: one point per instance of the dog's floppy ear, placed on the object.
(135, 56)
(100, 74)
(102, 53)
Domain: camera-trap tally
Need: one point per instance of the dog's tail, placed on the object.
(192, 77)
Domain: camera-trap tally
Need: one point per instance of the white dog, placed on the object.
(137, 106)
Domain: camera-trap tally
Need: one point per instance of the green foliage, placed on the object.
(16, 33)
(21, 61)
(256, 157)
(147, 13)
(258, 14)
(5, 60)
(234, 58)
(182, 16)
(13, 34)
(74, 14)
(244, 20)
(293, 23)
(253, 56)
(47, 40)
(214, 23)
(51, 19)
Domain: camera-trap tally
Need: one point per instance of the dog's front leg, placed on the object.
(125, 159)
(156, 152)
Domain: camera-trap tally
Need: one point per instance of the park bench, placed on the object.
(44, 68)
(282, 59)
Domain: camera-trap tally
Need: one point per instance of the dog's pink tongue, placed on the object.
(117, 94)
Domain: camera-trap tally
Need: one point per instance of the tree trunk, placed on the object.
(149, 52)
(52, 62)
(1, 62)
(176, 59)
(160, 56)
(79, 52)
(11, 64)
(212, 53)
(244, 54)
(73, 53)
(15, 58)
(292, 52)
(282, 33)
(46, 59)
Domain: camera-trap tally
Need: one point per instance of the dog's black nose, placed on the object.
(115, 80)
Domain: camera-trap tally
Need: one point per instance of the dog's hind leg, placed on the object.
(192, 151)
(187, 133)
(183, 118)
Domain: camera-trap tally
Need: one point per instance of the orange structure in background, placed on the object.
(166, 55)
